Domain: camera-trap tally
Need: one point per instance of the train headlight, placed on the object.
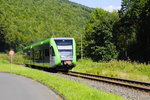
(62, 56)
(67, 62)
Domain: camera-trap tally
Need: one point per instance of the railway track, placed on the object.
(143, 86)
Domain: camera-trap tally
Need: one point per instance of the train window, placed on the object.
(32, 54)
(63, 42)
(28, 52)
(36, 55)
(46, 52)
(52, 51)
(40, 54)
(65, 52)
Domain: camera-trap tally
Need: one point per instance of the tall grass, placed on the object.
(17, 58)
(120, 69)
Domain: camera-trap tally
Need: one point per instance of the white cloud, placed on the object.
(112, 8)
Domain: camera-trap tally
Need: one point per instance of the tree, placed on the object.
(99, 39)
(143, 34)
(3, 44)
(126, 29)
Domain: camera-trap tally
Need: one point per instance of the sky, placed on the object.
(108, 5)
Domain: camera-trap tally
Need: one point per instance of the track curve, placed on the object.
(144, 86)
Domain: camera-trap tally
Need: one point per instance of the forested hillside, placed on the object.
(123, 34)
(23, 22)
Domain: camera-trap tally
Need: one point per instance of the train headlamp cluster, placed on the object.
(66, 57)
(67, 62)
(62, 56)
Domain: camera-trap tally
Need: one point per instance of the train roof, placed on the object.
(46, 41)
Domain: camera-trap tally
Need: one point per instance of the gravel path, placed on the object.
(130, 94)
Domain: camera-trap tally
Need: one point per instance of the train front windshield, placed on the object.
(65, 48)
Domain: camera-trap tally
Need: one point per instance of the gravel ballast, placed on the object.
(130, 94)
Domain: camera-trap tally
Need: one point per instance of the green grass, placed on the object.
(120, 69)
(70, 89)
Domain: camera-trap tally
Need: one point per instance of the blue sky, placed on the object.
(108, 5)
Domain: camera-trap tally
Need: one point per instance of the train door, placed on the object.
(52, 57)
(32, 56)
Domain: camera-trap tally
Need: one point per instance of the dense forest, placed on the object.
(123, 34)
(23, 22)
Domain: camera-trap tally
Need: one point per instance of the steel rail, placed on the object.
(145, 86)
